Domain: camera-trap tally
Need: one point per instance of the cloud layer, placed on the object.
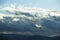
(36, 21)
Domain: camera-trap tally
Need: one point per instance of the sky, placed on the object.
(45, 4)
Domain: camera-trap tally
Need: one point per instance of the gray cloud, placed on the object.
(46, 23)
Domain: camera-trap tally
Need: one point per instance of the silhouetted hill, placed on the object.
(57, 38)
(26, 37)
(22, 37)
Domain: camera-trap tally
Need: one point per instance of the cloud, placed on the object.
(1, 15)
(15, 19)
(38, 26)
(35, 20)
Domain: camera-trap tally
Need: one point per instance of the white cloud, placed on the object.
(10, 8)
(2, 15)
(15, 19)
(12, 5)
(38, 26)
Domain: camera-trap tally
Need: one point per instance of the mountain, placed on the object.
(29, 21)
